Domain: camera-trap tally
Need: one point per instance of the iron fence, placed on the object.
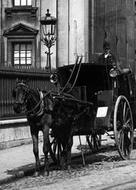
(37, 78)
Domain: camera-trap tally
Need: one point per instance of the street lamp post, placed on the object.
(48, 28)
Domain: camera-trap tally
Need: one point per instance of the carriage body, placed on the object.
(95, 85)
(90, 100)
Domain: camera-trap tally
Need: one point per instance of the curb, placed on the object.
(18, 174)
(30, 171)
(27, 172)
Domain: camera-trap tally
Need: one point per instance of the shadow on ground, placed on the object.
(107, 153)
(77, 161)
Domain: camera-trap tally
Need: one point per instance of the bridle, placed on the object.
(25, 89)
(27, 96)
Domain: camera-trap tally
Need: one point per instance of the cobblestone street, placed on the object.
(104, 170)
(68, 94)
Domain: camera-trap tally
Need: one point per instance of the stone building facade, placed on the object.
(81, 28)
(20, 32)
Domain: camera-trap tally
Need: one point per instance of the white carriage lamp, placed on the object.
(48, 28)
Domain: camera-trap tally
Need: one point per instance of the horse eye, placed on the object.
(14, 93)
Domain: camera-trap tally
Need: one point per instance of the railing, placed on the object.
(38, 78)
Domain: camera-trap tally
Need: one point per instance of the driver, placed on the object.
(107, 57)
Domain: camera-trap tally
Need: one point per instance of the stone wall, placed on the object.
(14, 132)
(114, 20)
(11, 16)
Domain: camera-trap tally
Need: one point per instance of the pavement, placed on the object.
(19, 161)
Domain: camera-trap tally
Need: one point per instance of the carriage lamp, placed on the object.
(114, 72)
(54, 78)
(48, 30)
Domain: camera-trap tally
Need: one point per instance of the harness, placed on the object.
(34, 112)
(43, 107)
(34, 103)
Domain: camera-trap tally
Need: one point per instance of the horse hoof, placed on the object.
(46, 173)
(64, 167)
(36, 174)
(69, 168)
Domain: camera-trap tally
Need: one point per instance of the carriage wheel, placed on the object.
(123, 127)
(94, 142)
(55, 150)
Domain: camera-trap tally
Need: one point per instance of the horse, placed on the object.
(63, 116)
(70, 118)
(38, 107)
(47, 111)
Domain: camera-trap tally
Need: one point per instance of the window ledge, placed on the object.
(26, 9)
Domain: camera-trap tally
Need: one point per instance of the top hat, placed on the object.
(106, 45)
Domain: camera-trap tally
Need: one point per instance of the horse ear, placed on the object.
(27, 81)
(17, 80)
(24, 81)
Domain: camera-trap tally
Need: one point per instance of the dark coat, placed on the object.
(110, 60)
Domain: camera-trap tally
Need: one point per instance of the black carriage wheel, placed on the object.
(123, 127)
(55, 150)
(94, 142)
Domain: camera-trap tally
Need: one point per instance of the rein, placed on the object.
(78, 62)
(42, 108)
(33, 112)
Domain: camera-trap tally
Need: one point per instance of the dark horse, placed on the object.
(37, 107)
(44, 111)
(62, 128)
(70, 117)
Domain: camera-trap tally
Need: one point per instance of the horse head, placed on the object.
(28, 100)
(19, 94)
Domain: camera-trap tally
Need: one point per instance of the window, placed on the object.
(21, 46)
(22, 53)
(22, 2)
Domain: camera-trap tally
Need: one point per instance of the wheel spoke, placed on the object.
(127, 115)
(127, 143)
(128, 121)
(56, 149)
(121, 140)
(94, 141)
(119, 117)
(123, 127)
(124, 143)
(124, 112)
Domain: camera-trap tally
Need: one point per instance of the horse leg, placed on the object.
(46, 148)
(36, 152)
(69, 146)
(63, 156)
(66, 153)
